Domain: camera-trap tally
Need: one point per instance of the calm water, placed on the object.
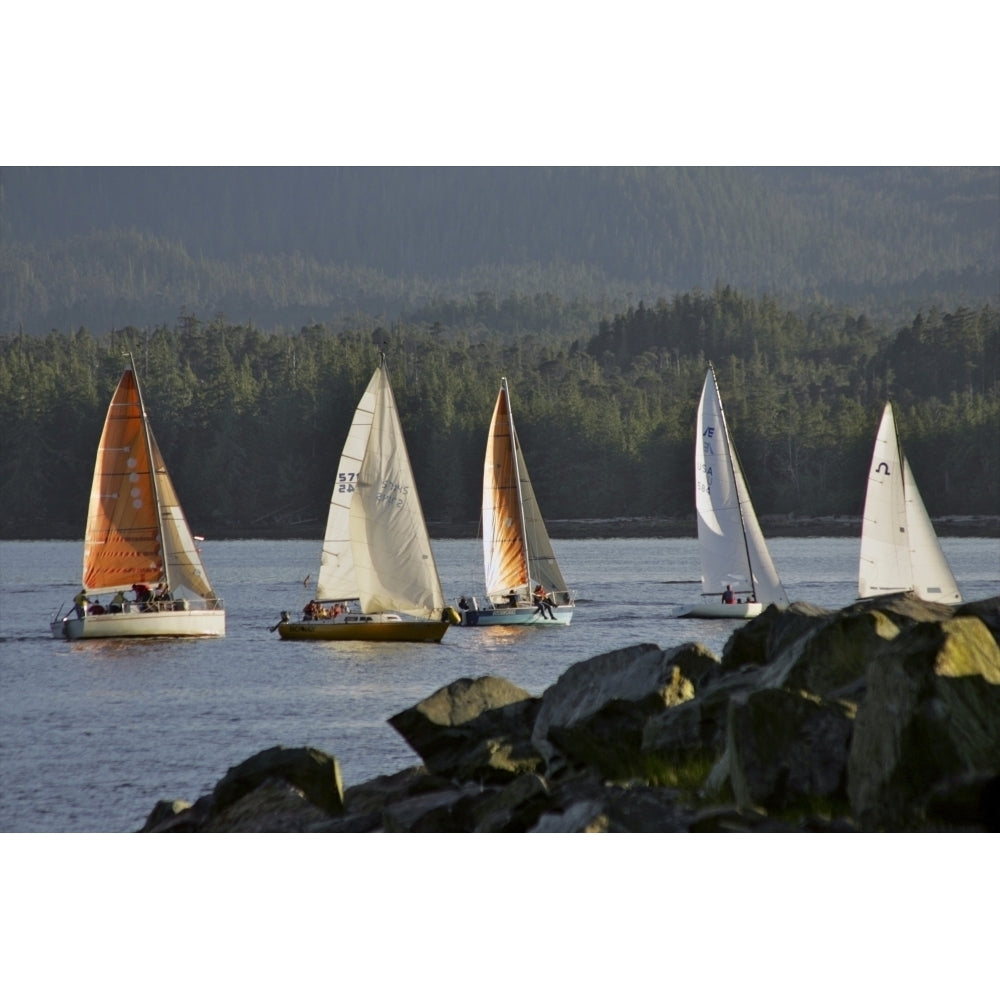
(92, 734)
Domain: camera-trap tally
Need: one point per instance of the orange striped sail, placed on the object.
(516, 545)
(122, 545)
(505, 558)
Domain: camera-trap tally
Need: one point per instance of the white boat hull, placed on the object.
(750, 610)
(516, 616)
(196, 623)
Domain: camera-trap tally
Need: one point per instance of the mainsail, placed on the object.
(122, 538)
(376, 548)
(900, 551)
(732, 545)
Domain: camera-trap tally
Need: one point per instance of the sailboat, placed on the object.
(137, 539)
(524, 585)
(900, 552)
(734, 554)
(378, 581)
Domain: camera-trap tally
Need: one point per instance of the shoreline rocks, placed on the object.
(882, 716)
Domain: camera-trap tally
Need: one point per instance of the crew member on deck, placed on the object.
(544, 603)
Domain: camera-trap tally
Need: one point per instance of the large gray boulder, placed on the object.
(785, 749)
(281, 789)
(833, 654)
(931, 715)
(473, 730)
(314, 773)
(763, 637)
(273, 806)
(595, 713)
(689, 738)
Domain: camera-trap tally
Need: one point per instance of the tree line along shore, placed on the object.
(251, 423)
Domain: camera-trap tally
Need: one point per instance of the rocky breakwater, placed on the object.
(882, 716)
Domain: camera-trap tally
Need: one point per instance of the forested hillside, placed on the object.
(251, 423)
(287, 247)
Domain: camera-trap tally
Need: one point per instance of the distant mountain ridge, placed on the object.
(138, 245)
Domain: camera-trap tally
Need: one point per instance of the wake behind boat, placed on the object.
(378, 581)
(738, 576)
(900, 551)
(137, 539)
(524, 585)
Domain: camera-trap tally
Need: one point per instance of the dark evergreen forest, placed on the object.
(251, 423)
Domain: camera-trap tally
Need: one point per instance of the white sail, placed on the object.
(542, 565)
(900, 551)
(337, 580)
(182, 560)
(732, 545)
(376, 548)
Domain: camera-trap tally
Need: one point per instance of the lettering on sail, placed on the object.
(705, 469)
(392, 493)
